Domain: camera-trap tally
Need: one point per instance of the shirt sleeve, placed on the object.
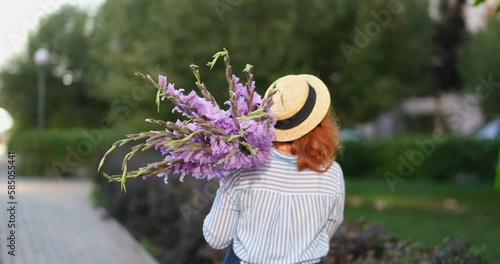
(337, 213)
(220, 224)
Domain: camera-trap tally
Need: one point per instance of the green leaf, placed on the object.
(478, 2)
(104, 157)
(124, 179)
(216, 56)
(248, 68)
(158, 100)
(100, 164)
(249, 147)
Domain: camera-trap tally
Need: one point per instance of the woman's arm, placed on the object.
(337, 214)
(220, 224)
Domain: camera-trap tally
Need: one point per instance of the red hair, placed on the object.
(317, 149)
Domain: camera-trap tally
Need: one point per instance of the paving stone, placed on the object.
(56, 223)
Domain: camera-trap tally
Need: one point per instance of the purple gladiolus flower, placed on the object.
(211, 142)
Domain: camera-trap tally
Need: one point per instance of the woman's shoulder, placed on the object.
(231, 181)
(335, 171)
(336, 168)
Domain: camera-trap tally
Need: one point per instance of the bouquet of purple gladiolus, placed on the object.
(211, 142)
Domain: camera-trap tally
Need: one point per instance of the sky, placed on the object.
(19, 17)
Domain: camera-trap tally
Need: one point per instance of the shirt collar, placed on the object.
(284, 156)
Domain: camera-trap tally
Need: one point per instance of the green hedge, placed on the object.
(68, 152)
(61, 152)
(420, 157)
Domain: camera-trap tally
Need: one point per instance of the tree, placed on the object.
(479, 68)
(390, 66)
(277, 37)
(448, 39)
(65, 34)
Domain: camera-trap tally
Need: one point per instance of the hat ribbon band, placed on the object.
(299, 117)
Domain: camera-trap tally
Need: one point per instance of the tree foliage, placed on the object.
(278, 37)
(480, 68)
(65, 34)
(447, 39)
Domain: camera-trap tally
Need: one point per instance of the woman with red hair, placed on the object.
(287, 210)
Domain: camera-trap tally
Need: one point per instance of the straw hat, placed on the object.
(306, 101)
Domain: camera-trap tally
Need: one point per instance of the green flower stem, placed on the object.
(162, 93)
(158, 95)
(104, 157)
(195, 147)
(123, 179)
(210, 127)
(175, 143)
(192, 115)
(232, 95)
(248, 72)
(249, 147)
(269, 98)
(254, 116)
(216, 56)
(229, 75)
(233, 137)
(226, 158)
(138, 173)
(204, 91)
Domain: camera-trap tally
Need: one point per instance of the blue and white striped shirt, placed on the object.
(276, 214)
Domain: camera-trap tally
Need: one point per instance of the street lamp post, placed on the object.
(42, 59)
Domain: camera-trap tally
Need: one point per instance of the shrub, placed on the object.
(418, 158)
(361, 243)
(170, 218)
(69, 152)
(61, 152)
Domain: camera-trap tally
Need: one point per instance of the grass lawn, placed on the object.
(428, 212)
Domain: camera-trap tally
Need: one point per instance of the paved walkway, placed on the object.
(56, 223)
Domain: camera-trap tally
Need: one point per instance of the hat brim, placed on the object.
(321, 107)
